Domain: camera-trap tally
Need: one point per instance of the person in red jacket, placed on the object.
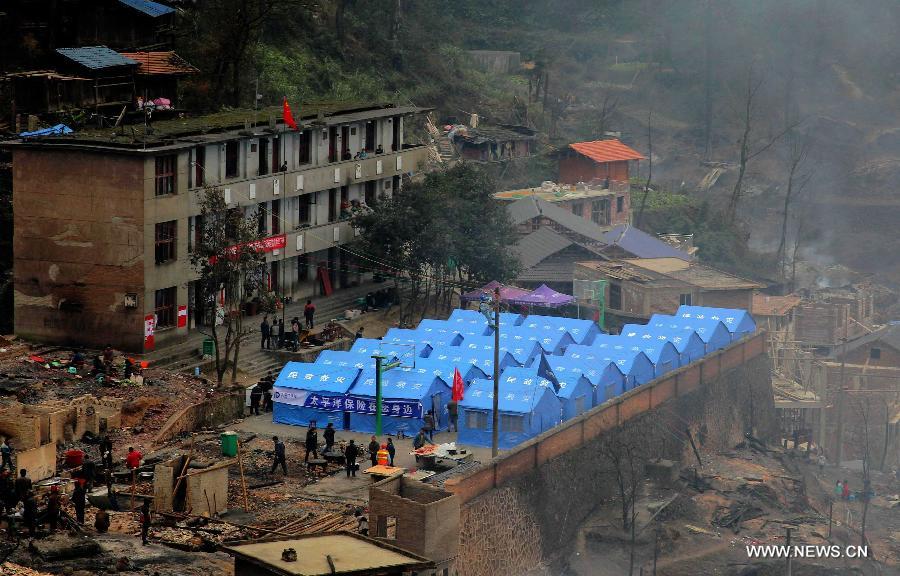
(133, 459)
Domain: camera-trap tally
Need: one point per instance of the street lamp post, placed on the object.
(379, 368)
(495, 420)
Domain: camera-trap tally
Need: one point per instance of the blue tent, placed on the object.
(689, 346)
(460, 316)
(713, 333)
(636, 367)
(523, 351)
(404, 352)
(309, 392)
(581, 331)
(608, 381)
(438, 333)
(528, 377)
(401, 336)
(661, 353)
(407, 394)
(552, 341)
(525, 412)
(482, 359)
(738, 322)
(443, 369)
(342, 360)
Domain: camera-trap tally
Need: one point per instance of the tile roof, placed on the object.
(163, 63)
(96, 57)
(148, 7)
(606, 151)
(765, 305)
(641, 244)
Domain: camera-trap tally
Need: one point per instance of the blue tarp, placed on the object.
(738, 322)
(636, 367)
(480, 358)
(308, 392)
(552, 341)
(713, 333)
(527, 377)
(148, 7)
(96, 57)
(581, 331)
(522, 351)
(438, 333)
(474, 319)
(443, 369)
(58, 129)
(409, 385)
(689, 346)
(404, 352)
(607, 380)
(343, 359)
(525, 412)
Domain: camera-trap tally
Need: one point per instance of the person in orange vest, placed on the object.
(383, 455)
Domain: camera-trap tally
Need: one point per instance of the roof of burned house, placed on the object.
(606, 151)
(96, 57)
(160, 63)
(496, 133)
(670, 271)
(553, 192)
(889, 334)
(526, 209)
(765, 305)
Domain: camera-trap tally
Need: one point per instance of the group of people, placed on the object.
(351, 452)
(277, 335)
(262, 393)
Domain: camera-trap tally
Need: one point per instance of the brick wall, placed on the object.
(24, 430)
(525, 505)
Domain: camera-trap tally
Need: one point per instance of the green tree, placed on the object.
(228, 264)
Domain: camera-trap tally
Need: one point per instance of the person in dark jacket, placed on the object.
(453, 415)
(374, 446)
(255, 398)
(312, 442)
(88, 473)
(350, 454)
(23, 484)
(309, 313)
(279, 456)
(267, 400)
(29, 514)
(146, 519)
(53, 507)
(265, 333)
(391, 449)
(420, 440)
(281, 333)
(429, 424)
(329, 437)
(78, 501)
(106, 449)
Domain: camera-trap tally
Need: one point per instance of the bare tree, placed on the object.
(640, 215)
(609, 104)
(795, 185)
(622, 453)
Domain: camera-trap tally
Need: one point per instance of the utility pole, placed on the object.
(840, 397)
(379, 368)
(495, 417)
(787, 568)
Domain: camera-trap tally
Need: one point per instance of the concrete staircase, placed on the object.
(445, 148)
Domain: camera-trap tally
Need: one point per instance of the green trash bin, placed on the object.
(209, 347)
(229, 444)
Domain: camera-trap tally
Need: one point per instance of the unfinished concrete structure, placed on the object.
(416, 517)
(199, 491)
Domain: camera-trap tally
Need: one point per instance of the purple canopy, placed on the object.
(507, 293)
(546, 297)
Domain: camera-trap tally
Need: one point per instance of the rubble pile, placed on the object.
(10, 569)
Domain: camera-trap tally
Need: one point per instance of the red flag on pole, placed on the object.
(457, 391)
(288, 116)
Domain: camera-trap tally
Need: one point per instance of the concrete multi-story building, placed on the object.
(105, 220)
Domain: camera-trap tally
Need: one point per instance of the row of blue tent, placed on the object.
(551, 369)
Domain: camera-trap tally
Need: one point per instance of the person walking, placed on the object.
(391, 450)
(281, 333)
(350, 454)
(255, 397)
(295, 334)
(279, 456)
(267, 400)
(453, 415)
(146, 519)
(309, 312)
(374, 446)
(78, 501)
(265, 334)
(6, 454)
(429, 424)
(312, 443)
(329, 437)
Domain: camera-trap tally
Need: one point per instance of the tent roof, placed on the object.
(622, 357)
(577, 329)
(344, 359)
(402, 336)
(442, 369)
(406, 383)
(316, 378)
(525, 377)
(506, 293)
(546, 296)
(458, 355)
(514, 397)
(678, 338)
(521, 351)
(734, 319)
(705, 329)
(371, 346)
(563, 366)
(548, 339)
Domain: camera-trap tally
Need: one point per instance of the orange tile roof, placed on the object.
(764, 305)
(152, 63)
(606, 151)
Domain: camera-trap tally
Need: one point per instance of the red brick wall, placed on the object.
(578, 168)
(79, 247)
(741, 299)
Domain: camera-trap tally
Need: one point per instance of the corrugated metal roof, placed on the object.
(148, 7)
(538, 245)
(606, 151)
(641, 244)
(162, 63)
(527, 208)
(96, 57)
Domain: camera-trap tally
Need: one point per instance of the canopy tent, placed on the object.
(545, 297)
(713, 333)
(482, 359)
(443, 369)
(507, 293)
(607, 379)
(407, 394)
(305, 393)
(344, 359)
(636, 367)
(438, 332)
(525, 412)
(689, 346)
(739, 322)
(552, 341)
(581, 331)
(403, 352)
(524, 352)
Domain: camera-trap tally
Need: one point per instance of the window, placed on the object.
(615, 296)
(303, 148)
(231, 159)
(195, 237)
(685, 300)
(165, 241)
(199, 166)
(512, 423)
(165, 307)
(276, 216)
(395, 133)
(303, 211)
(165, 175)
(263, 157)
(620, 203)
(476, 420)
(370, 136)
(578, 209)
(600, 212)
(332, 144)
(875, 353)
(370, 193)
(303, 268)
